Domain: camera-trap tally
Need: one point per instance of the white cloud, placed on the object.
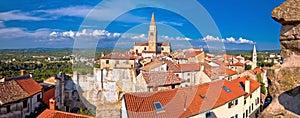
(2, 24)
(18, 15)
(175, 38)
(228, 40)
(78, 11)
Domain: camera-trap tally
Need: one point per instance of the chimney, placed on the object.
(31, 74)
(247, 85)
(52, 103)
(202, 68)
(23, 72)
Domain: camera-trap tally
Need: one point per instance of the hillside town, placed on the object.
(150, 80)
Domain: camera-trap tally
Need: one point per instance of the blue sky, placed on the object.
(57, 24)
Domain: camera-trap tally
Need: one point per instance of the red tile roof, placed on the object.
(30, 85)
(238, 64)
(172, 67)
(152, 65)
(182, 102)
(60, 114)
(253, 84)
(257, 71)
(11, 91)
(161, 78)
(188, 54)
(189, 67)
(47, 95)
(230, 72)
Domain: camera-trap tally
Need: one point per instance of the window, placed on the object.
(145, 48)
(246, 113)
(107, 61)
(243, 115)
(8, 108)
(226, 89)
(236, 101)
(162, 48)
(250, 95)
(236, 115)
(208, 115)
(158, 106)
(252, 106)
(38, 99)
(257, 101)
(245, 101)
(230, 104)
(188, 74)
(25, 103)
(249, 109)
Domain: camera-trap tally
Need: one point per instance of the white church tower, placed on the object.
(254, 58)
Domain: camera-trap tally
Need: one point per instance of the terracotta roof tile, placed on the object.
(161, 78)
(230, 72)
(47, 95)
(238, 64)
(253, 84)
(188, 54)
(11, 91)
(60, 114)
(182, 102)
(189, 67)
(152, 65)
(30, 85)
(257, 71)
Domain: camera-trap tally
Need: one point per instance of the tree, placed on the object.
(248, 67)
(263, 89)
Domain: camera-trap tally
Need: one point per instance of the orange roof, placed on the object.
(30, 85)
(160, 78)
(47, 95)
(238, 64)
(171, 66)
(257, 71)
(152, 65)
(60, 114)
(230, 72)
(182, 102)
(188, 54)
(11, 91)
(189, 67)
(253, 84)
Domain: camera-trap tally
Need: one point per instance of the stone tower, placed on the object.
(254, 58)
(152, 35)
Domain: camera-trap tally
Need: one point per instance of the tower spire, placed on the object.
(152, 19)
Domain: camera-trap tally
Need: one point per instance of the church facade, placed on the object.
(152, 47)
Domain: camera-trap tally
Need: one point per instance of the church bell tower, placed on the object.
(152, 35)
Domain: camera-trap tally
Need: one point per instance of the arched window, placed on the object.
(145, 48)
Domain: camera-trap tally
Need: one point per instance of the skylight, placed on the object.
(226, 89)
(158, 106)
